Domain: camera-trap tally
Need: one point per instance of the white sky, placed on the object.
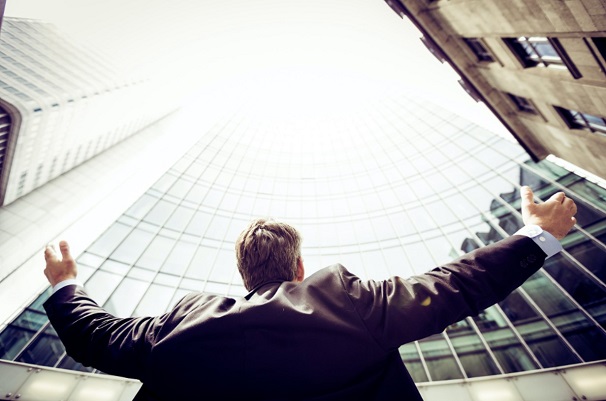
(311, 54)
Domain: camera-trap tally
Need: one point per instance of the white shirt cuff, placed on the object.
(65, 283)
(547, 242)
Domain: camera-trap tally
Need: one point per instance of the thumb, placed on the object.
(64, 248)
(527, 196)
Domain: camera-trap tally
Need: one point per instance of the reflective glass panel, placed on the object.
(413, 363)
(439, 358)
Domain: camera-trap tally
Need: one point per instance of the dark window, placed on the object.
(576, 119)
(540, 51)
(600, 44)
(523, 104)
(479, 49)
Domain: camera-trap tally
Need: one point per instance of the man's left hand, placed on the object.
(58, 270)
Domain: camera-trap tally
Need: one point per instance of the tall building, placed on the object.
(394, 189)
(61, 104)
(540, 66)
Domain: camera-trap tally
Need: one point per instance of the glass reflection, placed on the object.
(471, 351)
(503, 342)
(548, 348)
(439, 358)
(410, 356)
(587, 339)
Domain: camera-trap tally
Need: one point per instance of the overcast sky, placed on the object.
(315, 51)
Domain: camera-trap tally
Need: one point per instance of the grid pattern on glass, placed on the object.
(384, 193)
(576, 119)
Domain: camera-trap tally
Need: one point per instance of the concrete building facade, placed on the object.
(539, 65)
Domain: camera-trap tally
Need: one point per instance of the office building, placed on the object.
(61, 104)
(394, 189)
(539, 65)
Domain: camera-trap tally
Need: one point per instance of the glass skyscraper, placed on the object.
(62, 103)
(395, 189)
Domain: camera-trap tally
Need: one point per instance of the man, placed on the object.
(328, 337)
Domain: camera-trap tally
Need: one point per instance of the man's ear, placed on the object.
(300, 270)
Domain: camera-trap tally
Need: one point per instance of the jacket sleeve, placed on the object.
(93, 337)
(397, 310)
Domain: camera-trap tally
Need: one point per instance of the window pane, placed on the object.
(141, 206)
(587, 339)
(101, 284)
(123, 301)
(410, 356)
(541, 339)
(156, 252)
(471, 352)
(198, 224)
(545, 49)
(180, 218)
(508, 350)
(110, 239)
(583, 289)
(132, 247)
(587, 252)
(45, 350)
(179, 258)
(439, 359)
(155, 300)
(160, 212)
(12, 340)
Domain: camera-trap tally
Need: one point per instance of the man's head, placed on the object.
(268, 250)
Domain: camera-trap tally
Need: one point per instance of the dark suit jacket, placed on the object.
(332, 337)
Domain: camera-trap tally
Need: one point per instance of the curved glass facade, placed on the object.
(394, 190)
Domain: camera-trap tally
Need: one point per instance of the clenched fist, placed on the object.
(555, 215)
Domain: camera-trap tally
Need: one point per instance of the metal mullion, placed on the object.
(558, 286)
(597, 242)
(564, 292)
(216, 136)
(236, 170)
(380, 243)
(157, 272)
(571, 299)
(440, 198)
(557, 184)
(36, 335)
(518, 335)
(355, 235)
(546, 318)
(487, 347)
(454, 353)
(422, 359)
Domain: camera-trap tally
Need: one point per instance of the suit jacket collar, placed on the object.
(257, 288)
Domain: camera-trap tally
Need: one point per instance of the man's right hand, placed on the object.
(556, 215)
(58, 270)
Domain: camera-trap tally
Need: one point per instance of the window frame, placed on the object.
(578, 120)
(528, 52)
(597, 47)
(523, 104)
(480, 50)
